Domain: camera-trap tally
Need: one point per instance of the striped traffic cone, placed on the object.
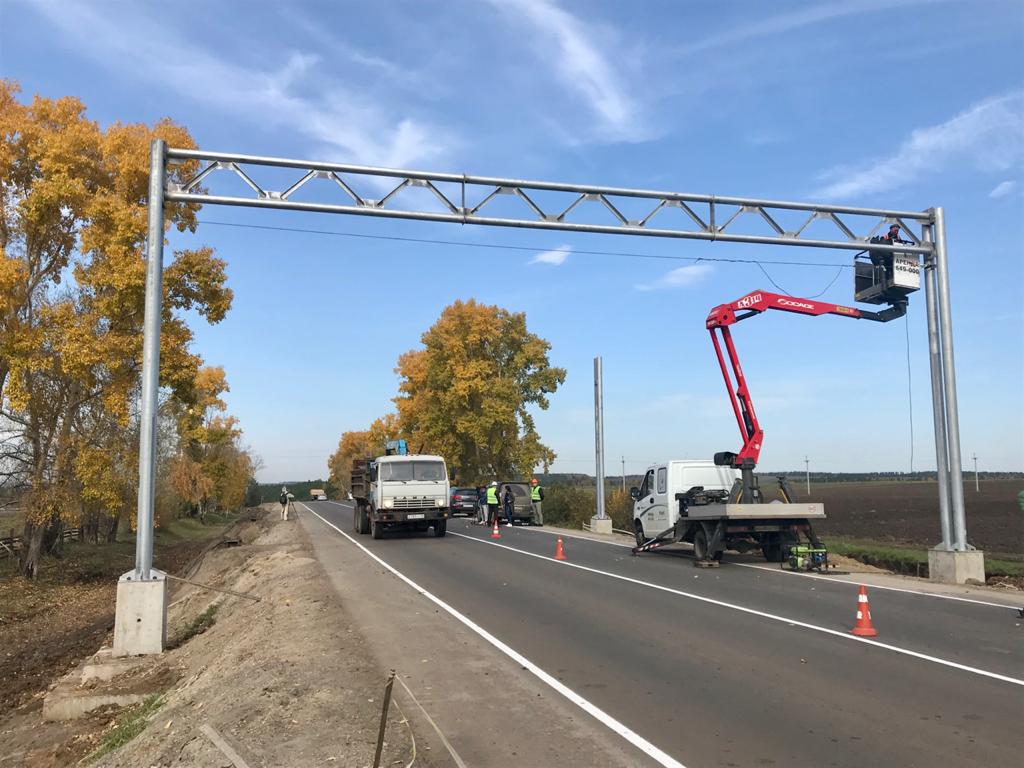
(864, 627)
(495, 533)
(559, 550)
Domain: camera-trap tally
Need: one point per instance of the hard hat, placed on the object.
(494, 482)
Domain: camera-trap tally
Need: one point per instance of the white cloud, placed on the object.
(571, 46)
(556, 256)
(989, 135)
(682, 277)
(791, 21)
(344, 123)
(1002, 189)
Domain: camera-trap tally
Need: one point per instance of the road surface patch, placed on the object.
(755, 612)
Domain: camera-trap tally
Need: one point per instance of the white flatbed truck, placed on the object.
(699, 502)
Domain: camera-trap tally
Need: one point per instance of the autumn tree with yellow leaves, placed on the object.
(467, 394)
(73, 205)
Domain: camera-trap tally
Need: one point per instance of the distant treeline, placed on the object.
(300, 489)
(576, 479)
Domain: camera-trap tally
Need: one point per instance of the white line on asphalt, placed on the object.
(821, 577)
(755, 612)
(600, 715)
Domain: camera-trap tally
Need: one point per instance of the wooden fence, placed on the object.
(12, 544)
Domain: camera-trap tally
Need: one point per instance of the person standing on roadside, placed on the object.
(508, 501)
(536, 497)
(492, 502)
(284, 503)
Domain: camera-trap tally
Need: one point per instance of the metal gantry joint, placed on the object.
(466, 199)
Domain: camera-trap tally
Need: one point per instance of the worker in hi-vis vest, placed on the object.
(492, 502)
(536, 497)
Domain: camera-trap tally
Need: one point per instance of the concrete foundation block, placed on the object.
(140, 620)
(956, 567)
(601, 525)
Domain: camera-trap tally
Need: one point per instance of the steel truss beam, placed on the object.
(465, 199)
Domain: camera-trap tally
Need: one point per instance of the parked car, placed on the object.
(464, 501)
(523, 507)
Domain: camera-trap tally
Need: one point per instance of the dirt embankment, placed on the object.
(286, 681)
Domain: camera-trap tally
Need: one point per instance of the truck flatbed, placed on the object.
(773, 511)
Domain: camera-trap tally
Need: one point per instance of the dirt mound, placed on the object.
(285, 681)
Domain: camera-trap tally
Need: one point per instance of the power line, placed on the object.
(822, 292)
(533, 249)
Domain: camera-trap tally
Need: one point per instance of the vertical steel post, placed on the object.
(599, 435)
(151, 360)
(938, 396)
(807, 469)
(956, 480)
(977, 485)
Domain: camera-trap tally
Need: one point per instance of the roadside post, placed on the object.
(600, 522)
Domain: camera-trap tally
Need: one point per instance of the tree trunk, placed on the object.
(35, 539)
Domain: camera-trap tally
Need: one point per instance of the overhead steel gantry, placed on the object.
(465, 199)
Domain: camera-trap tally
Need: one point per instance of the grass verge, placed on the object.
(128, 726)
(910, 560)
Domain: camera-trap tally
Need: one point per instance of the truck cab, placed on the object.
(656, 505)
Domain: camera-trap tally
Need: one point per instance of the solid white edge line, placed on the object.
(598, 714)
(834, 579)
(755, 612)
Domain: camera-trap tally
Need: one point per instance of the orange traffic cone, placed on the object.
(560, 550)
(864, 627)
(495, 533)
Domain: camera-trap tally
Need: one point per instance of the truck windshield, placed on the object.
(412, 470)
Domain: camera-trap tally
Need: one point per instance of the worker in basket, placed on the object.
(883, 259)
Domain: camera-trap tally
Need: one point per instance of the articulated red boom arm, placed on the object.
(724, 315)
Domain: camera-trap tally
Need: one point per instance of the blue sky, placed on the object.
(902, 105)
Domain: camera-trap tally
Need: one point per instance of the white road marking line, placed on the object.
(834, 579)
(600, 715)
(755, 612)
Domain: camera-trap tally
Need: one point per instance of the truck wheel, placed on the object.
(376, 529)
(641, 539)
(355, 518)
(700, 544)
(771, 548)
(440, 527)
(364, 519)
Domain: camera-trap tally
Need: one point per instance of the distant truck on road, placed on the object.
(400, 492)
(318, 494)
(693, 501)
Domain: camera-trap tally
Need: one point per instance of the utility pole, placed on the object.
(807, 470)
(623, 474)
(600, 522)
(977, 487)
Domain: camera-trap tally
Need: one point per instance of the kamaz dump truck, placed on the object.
(400, 492)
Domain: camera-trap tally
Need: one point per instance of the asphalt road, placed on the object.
(734, 666)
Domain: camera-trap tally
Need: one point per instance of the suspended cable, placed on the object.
(822, 292)
(533, 249)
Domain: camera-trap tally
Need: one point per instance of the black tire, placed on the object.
(376, 529)
(355, 518)
(771, 548)
(440, 528)
(364, 519)
(638, 532)
(700, 544)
